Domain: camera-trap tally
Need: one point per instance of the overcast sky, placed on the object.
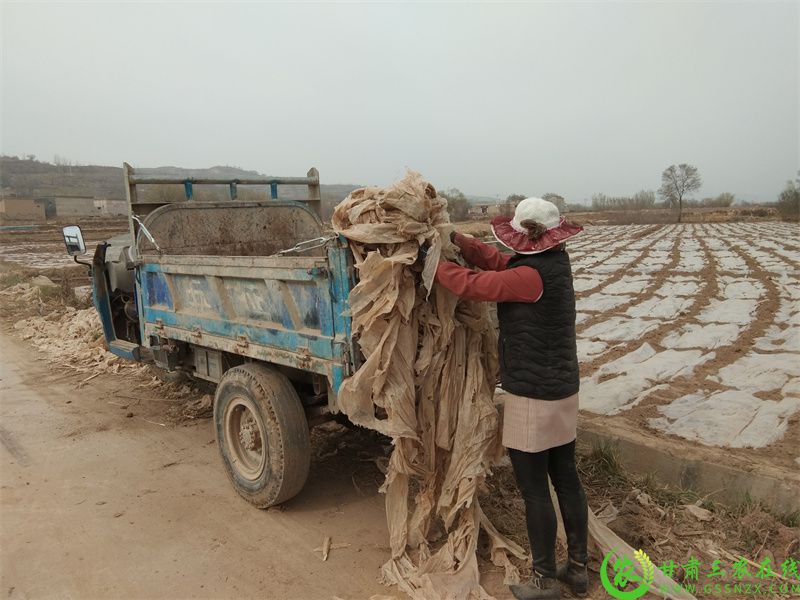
(492, 98)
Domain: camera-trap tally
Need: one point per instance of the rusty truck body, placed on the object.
(248, 295)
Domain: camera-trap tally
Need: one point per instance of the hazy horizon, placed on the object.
(491, 98)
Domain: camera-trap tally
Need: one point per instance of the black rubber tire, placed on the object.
(280, 415)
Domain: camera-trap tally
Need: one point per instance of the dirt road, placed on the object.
(96, 504)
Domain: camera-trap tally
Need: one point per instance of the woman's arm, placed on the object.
(519, 284)
(483, 256)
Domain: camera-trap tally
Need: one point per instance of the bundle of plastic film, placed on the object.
(427, 381)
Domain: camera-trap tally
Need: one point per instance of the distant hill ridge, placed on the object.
(33, 178)
(219, 171)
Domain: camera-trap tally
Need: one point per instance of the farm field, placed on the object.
(687, 334)
(679, 326)
(243, 355)
(693, 331)
(43, 246)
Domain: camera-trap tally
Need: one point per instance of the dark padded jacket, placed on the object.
(538, 351)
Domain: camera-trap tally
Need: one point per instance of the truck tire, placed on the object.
(262, 434)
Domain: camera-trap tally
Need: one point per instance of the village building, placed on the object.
(21, 211)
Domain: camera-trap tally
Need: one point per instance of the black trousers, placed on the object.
(531, 470)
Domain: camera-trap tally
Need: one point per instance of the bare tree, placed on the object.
(510, 205)
(24, 186)
(677, 182)
(600, 202)
(724, 200)
(63, 163)
(457, 204)
(789, 202)
(643, 199)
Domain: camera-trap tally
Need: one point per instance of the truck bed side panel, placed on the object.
(285, 310)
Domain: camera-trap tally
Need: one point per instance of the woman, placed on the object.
(539, 373)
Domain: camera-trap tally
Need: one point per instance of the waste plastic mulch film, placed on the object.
(427, 382)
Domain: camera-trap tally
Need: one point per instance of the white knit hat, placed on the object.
(510, 232)
(536, 209)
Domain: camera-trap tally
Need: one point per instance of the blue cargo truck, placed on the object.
(251, 296)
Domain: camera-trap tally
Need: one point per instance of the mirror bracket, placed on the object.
(80, 262)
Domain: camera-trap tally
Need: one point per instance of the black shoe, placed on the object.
(537, 588)
(576, 576)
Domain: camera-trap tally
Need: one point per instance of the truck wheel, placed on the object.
(262, 434)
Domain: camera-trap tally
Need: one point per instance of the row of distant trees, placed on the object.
(789, 200)
(647, 199)
(678, 182)
(642, 200)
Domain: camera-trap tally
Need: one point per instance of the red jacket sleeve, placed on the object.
(483, 256)
(518, 284)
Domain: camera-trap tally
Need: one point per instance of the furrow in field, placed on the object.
(620, 376)
(603, 250)
(748, 395)
(611, 270)
(615, 323)
(783, 335)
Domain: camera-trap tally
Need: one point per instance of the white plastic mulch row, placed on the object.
(635, 374)
(735, 416)
(730, 418)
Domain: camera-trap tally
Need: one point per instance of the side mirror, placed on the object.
(73, 239)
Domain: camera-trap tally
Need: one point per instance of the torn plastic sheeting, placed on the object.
(427, 381)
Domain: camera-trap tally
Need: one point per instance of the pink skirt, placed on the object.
(533, 425)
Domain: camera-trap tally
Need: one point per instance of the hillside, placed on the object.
(33, 178)
(38, 179)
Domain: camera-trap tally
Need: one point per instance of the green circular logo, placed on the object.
(624, 574)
